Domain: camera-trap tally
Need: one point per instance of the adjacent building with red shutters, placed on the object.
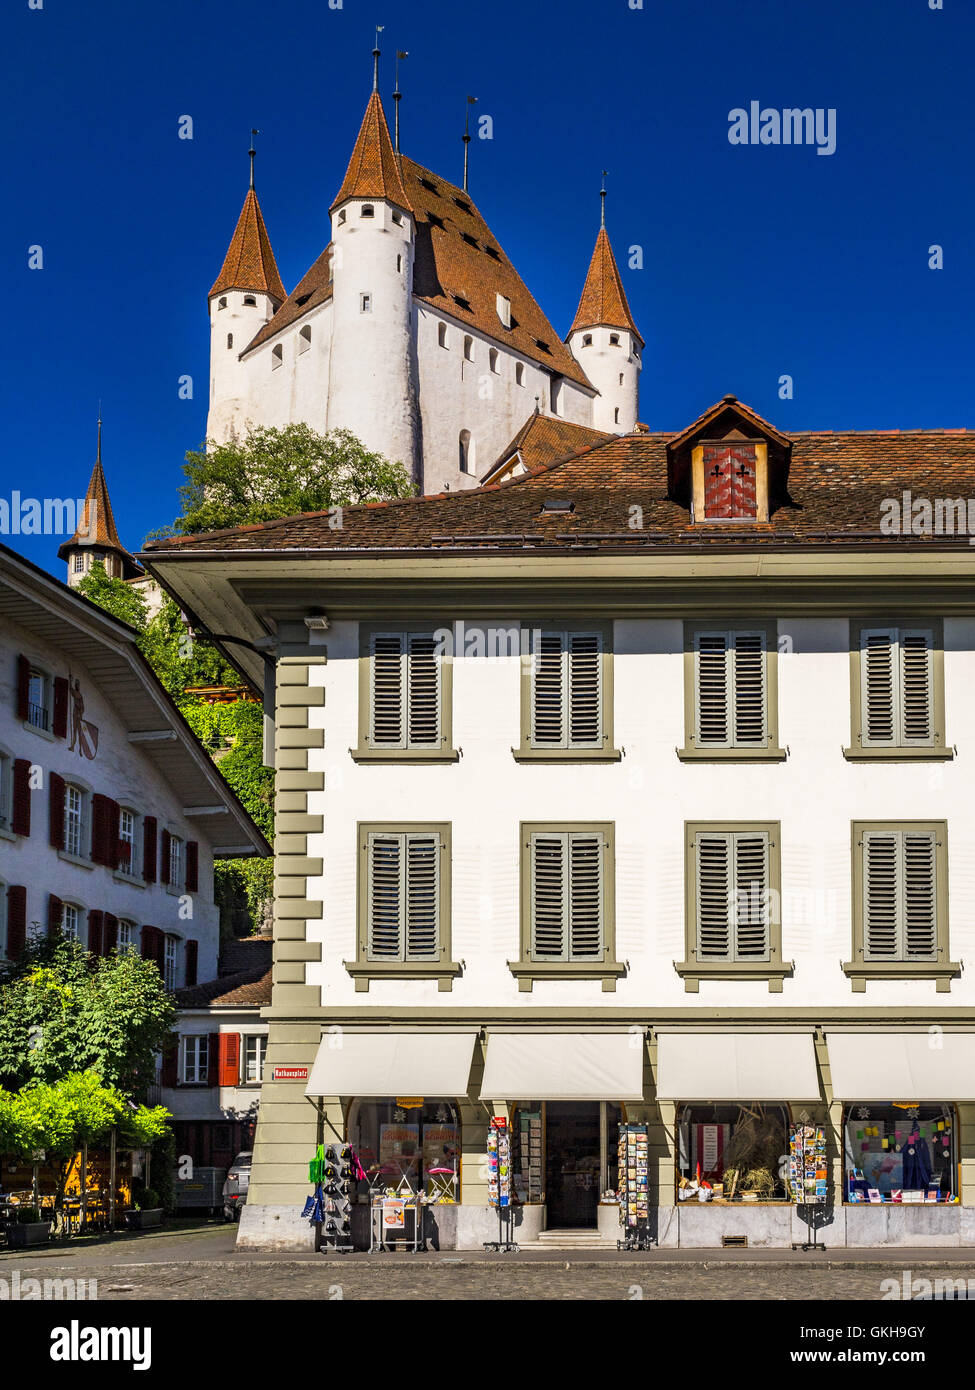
(111, 813)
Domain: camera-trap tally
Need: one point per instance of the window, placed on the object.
(493, 360)
(341, 217)
(468, 348)
(39, 699)
(442, 334)
(614, 340)
(900, 903)
(435, 221)
(555, 395)
(587, 340)
(405, 695)
(195, 1060)
(128, 851)
(519, 373)
(731, 692)
(304, 339)
(255, 1051)
(277, 356)
(567, 698)
(465, 452)
(567, 904)
(6, 790)
(250, 301)
(897, 691)
(176, 862)
(730, 489)
(397, 218)
(170, 954)
(471, 240)
(404, 904)
(616, 415)
(70, 921)
(222, 302)
(421, 1144)
(368, 210)
(399, 264)
(230, 340)
(127, 936)
(365, 303)
(733, 895)
(736, 1148)
(79, 562)
(74, 819)
(895, 1146)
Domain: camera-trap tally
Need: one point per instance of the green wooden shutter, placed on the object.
(585, 893)
(423, 691)
(751, 853)
(878, 647)
(714, 896)
(549, 901)
(881, 895)
(920, 917)
(916, 686)
(404, 896)
(388, 715)
(567, 894)
(712, 693)
(733, 895)
(749, 693)
(386, 896)
(422, 929)
(548, 714)
(585, 686)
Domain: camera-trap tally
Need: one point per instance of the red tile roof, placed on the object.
(373, 170)
(98, 529)
(603, 301)
(249, 263)
(542, 438)
(244, 977)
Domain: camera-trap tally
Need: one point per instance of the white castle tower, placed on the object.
(372, 381)
(605, 341)
(245, 295)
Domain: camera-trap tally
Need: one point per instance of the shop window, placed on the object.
(897, 692)
(898, 1152)
(418, 1146)
(565, 1153)
(405, 696)
(731, 693)
(733, 1152)
(567, 708)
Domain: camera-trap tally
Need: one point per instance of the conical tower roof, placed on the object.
(249, 263)
(603, 302)
(374, 170)
(96, 528)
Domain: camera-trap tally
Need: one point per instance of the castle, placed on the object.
(412, 329)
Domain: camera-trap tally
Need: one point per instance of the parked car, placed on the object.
(235, 1188)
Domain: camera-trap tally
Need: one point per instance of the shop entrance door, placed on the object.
(572, 1168)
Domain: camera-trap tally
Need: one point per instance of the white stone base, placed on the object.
(274, 1228)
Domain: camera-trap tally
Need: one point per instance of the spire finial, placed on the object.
(602, 201)
(397, 94)
(253, 153)
(467, 134)
(375, 59)
(98, 455)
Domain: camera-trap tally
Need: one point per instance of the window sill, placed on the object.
(404, 755)
(6, 834)
(70, 858)
(365, 971)
(732, 755)
(938, 753)
(692, 972)
(526, 972)
(567, 755)
(173, 891)
(41, 733)
(859, 972)
(133, 880)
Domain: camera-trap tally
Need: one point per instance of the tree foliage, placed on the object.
(117, 597)
(273, 473)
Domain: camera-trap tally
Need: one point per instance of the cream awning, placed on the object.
(564, 1066)
(902, 1066)
(736, 1066)
(393, 1064)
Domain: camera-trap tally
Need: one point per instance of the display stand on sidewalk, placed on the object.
(633, 1180)
(808, 1179)
(499, 1183)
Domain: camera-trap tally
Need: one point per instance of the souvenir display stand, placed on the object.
(808, 1178)
(499, 1182)
(331, 1171)
(634, 1188)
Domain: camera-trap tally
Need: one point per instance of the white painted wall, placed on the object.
(215, 1102)
(120, 770)
(617, 407)
(231, 328)
(649, 794)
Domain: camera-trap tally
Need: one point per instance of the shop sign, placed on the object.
(289, 1074)
(410, 1102)
(394, 1214)
(499, 1121)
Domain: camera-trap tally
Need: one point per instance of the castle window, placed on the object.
(503, 306)
(250, 302)
(493, 359)
(616, 416)
(399, 263)
(277, 356)
(304, 339)
(468, 348)
(397, 218)
(230, 340)
(341, 217)
(466, 450)
(442, 334)
(368, 210)
(614, 340)
(587, 340)
(365, 303)
(621, 378)
(222, 303)
(519, 373)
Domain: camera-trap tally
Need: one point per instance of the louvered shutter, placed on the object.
(714, 896)
(730, 689)
(585, 897)
(566, 694)
(213, 1060)
(20, 811)
(566, 895)
(149, 849)
(191, 961)
(168, 1073)
(548, 691)
(549, 899)
(98, 828)
(584, 689)
(228, 1066)
(751, 896)
(148, 946)
(165, 840)
(55, 914)
(423, 694)
(192, 866)
(422, 897)
(386, 896)
(113, 815)
(878, 648)
(712, 689)
(16, 920)
(59, 719)
(920, 895)
(96, 933)
(110, 934)
(917, 686)
(23, 688)
(733, 895)
(388, 712)
(749, 690)
(55, 802)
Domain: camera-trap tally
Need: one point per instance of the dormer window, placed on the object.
(368, 210)
(435, 221)
(729, 466)
(729, 481)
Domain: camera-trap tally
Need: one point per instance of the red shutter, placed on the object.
(98, 828)
(229, 1066)
(742, 462)
(164, 841)
(170, 1055)
(148, 949)
(20, 820)
(113, 820)
(56, 810)
(192, 866)
(213, 1060)
(717, 482)
(109, 933)
(60, 721)
(160, 939)
(23, 688)
(16, 920)
(96, 932)
(149, 849)
(192, 959)
(55, 914)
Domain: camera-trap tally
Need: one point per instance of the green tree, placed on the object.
(180, 660)
(64, 1010)
(272, 473)
(116, 596)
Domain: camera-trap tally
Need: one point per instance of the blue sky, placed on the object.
(757, 261)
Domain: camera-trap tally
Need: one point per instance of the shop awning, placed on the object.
(564, 1066)
(902, 1066)
(393, 1064)
(736, 1066)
